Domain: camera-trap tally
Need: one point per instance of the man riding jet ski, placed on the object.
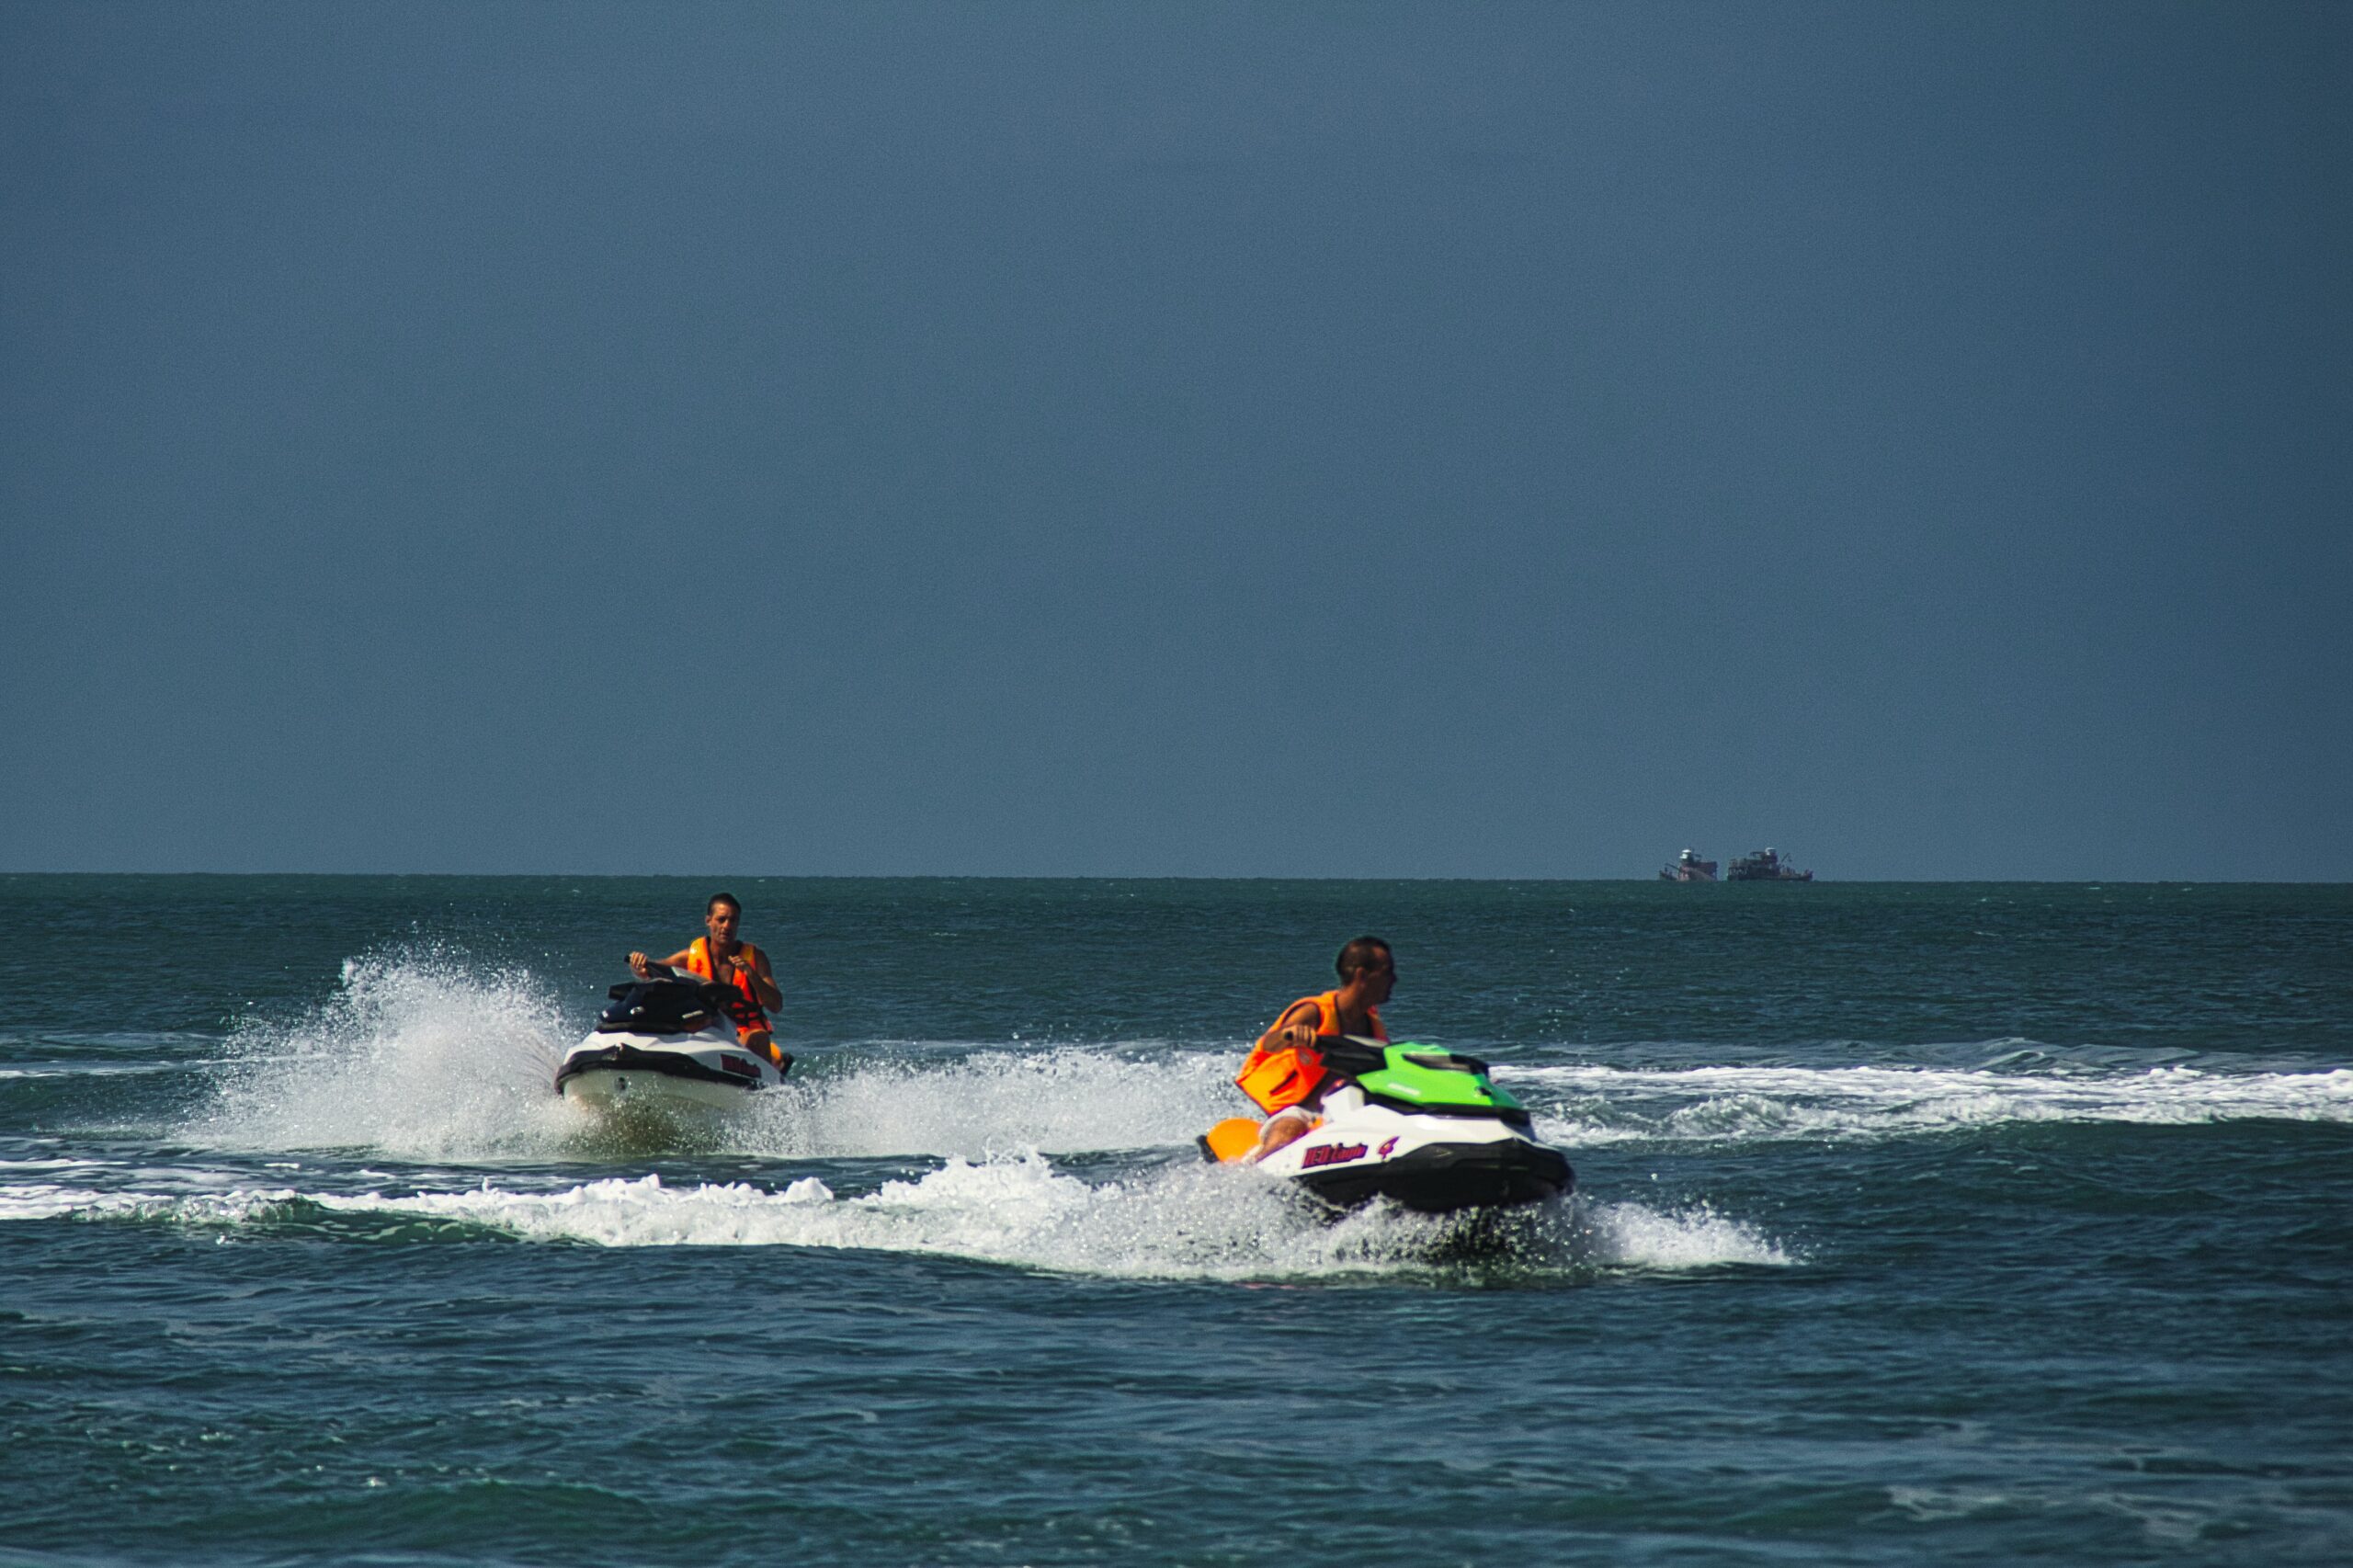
(1283, 1073)
(737, 967)
(1354, 1118)
(1422, 1128)
(697, 1040)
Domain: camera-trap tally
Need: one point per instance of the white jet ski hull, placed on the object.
(703, 1074)
(1434, 1163)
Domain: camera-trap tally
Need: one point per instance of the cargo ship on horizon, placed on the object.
(1765, 866)
(1688, 867)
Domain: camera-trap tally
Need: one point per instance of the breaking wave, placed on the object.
(1191, 1223)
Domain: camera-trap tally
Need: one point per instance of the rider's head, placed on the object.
(1369, 958)
(722, 915)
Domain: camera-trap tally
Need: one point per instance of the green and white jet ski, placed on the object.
(1422, 1128)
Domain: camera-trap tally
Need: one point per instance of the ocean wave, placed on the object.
(1192, 1222)
(1592, 1106)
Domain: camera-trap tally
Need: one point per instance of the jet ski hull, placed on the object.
(1432, 1164)
(1443, 1178)
(694, 1073)
(663, 1047)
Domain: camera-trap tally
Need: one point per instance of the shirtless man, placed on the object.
(1367, 972)
(739, 966)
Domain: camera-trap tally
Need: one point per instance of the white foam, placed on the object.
(1196, 1222)
(1058, 1100)
(41, 1200)
(1694, 1237)
(45, 1200)
(1725, 1104)
(1013, 1209)
(418, 1053)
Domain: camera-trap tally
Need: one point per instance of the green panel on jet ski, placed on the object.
(1421, 1075)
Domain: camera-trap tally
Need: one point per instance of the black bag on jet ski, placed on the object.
(660, 1007)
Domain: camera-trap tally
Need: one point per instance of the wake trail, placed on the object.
(1192, 1222)
(1594, 1105)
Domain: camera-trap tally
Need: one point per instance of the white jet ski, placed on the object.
(666, 1047)
(1422, 1128)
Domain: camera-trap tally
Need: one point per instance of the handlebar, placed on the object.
(1351, 1054)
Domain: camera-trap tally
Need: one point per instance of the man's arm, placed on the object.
(1296, 1026)
(644, 967)
(763, 983)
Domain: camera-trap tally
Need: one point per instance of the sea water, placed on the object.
(1916, 1224)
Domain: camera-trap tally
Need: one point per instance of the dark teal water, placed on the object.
(1919, 1224)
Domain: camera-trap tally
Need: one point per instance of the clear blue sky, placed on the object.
(1285, 439)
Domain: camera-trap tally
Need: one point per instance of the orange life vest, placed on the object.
(1285, 1075)
(743, 1010)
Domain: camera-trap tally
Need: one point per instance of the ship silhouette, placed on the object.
(1765, 866)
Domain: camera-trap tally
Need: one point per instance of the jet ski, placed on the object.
(1425, 1129)
(665, 1046)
